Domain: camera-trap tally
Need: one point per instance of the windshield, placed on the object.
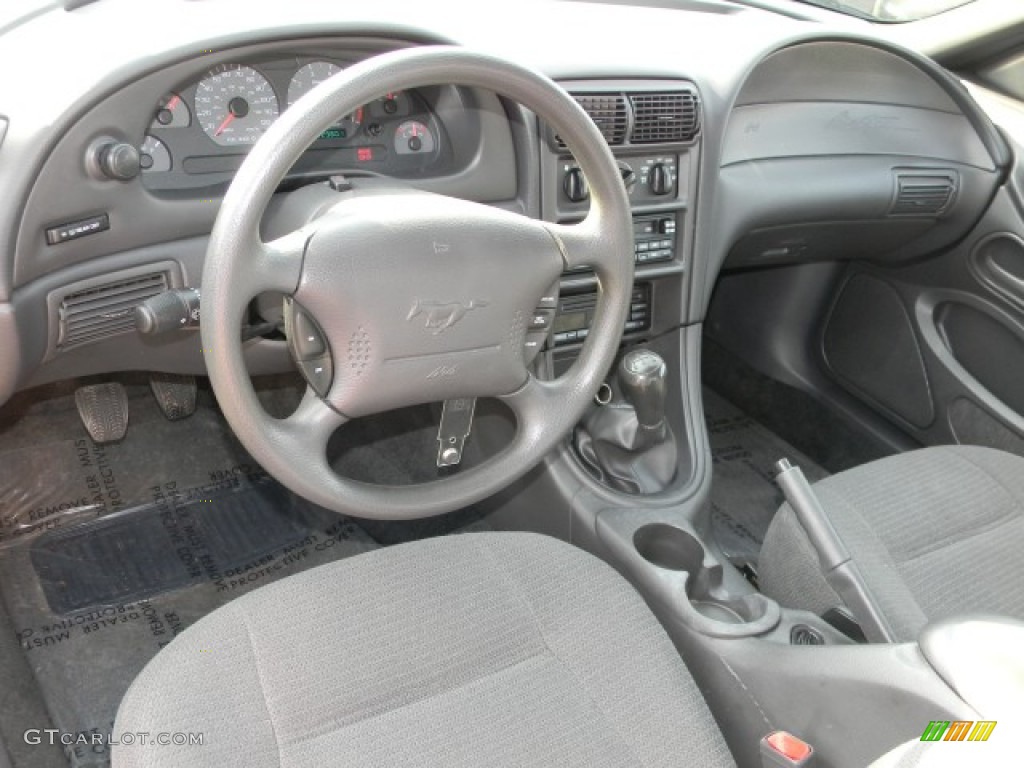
(889, 10)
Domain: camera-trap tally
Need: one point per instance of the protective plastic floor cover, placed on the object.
(111, 551)
(179, 540)
(744, 497)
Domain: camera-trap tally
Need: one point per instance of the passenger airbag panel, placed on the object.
(808, 129)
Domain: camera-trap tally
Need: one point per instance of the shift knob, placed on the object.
(642, 376)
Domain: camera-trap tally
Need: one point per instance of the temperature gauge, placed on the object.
(414, 138)
(154, 156)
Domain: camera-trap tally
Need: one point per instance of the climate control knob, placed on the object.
(660, 179)
(575, 185)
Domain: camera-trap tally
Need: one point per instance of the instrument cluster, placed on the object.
(200, 133)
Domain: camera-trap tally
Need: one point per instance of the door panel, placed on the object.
(947, 364)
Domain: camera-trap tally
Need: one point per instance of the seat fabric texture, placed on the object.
(936, 533)
(489, 649)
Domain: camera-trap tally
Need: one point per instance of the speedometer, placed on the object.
(235, 105)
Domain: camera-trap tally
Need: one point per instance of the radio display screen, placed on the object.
(573, 321)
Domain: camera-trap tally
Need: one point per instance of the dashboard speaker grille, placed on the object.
(923, 194)
(608, 111)
(665, 116)
(102, 311)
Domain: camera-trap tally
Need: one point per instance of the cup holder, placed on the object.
(683, 565)
(669, 547)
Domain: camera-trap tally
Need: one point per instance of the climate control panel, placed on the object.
(650, 178)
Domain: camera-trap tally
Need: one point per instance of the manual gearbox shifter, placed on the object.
(642, 377)
(628, 444)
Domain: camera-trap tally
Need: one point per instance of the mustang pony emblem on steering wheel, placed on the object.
(440, 316)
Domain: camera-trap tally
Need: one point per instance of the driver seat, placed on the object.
(488, 649)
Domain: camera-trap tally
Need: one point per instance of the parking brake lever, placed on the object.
(840, 570)
(832, 553)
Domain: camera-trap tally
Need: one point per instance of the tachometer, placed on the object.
(235, 105)
(413, 138)
(308, 77)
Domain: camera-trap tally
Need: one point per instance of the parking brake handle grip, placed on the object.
(801, 497)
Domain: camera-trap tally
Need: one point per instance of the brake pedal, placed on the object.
(176, 395)
(103, 409)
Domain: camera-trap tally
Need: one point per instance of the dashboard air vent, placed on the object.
(105, 310)
(665, 116)
(920, 194)
(608, 111)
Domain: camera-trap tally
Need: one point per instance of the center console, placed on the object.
(653, 130)
(632, 484)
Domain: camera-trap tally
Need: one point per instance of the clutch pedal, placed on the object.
(103, 409)
(175, 394)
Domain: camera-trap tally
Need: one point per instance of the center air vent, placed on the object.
(105, 309)
(923, 194)
(608, 111)
(665, 116)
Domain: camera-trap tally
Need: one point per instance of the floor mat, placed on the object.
(167, 545)
(744, 496)
(832, 441)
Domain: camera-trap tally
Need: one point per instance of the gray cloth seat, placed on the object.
(935, 533)
(471, 650)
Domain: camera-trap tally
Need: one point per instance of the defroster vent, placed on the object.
(664, 116)
(608, 111)
(101, 311)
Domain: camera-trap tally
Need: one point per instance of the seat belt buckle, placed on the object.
(781, 749)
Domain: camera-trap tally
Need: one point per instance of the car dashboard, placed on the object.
(113, 182)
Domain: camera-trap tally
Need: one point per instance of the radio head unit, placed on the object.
(575, 315)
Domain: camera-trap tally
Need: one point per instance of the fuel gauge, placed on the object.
(172, 112)
(414, 138)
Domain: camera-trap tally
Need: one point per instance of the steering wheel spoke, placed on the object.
(536, 408)
(277, 265)
(581, 244)
(307, 430)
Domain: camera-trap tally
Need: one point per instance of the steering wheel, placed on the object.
(419, 297)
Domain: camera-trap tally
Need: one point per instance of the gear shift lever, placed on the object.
(642, 376)
(628, 444)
